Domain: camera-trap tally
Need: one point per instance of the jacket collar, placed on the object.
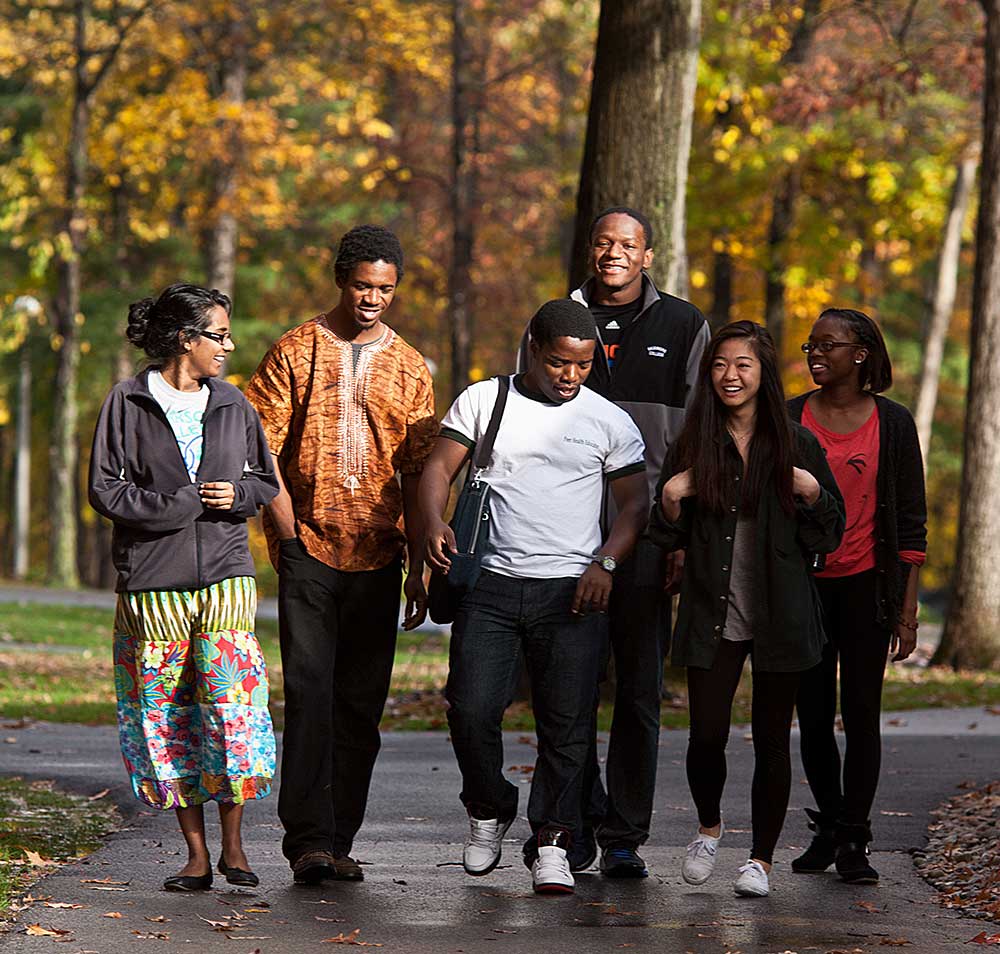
(219, 392)
(649, 292)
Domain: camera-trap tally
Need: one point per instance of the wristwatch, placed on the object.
(608, 563)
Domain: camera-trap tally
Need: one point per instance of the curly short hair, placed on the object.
(367, 243)
(181, 312)
(562, 318)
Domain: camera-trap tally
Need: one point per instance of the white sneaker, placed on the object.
(482, 850)
(752, 881)
(550, 872)
(700, 858)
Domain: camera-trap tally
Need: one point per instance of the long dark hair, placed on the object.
(875, 372)
(702, 443)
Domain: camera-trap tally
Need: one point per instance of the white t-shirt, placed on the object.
(184, 410)
(547, 475)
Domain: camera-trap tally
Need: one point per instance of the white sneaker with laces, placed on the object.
(752, 881)
(700, 859)
(482, 850)
(550, 873)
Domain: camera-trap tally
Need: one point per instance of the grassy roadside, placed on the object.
(41, 828)
(71, 679)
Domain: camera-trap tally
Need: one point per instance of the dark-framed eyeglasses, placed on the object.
(825, 347)
(217, 337)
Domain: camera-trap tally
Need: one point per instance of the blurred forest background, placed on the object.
(834, 146)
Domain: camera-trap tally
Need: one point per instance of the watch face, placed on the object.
(609, 563)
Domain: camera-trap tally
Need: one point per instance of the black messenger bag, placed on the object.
(470, 524)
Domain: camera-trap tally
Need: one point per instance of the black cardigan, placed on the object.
(901, 521)
(788, 631)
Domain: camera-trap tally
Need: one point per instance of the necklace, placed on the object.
(740, 438)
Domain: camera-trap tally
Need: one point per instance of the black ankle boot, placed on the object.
(822, 849)
(852, 854)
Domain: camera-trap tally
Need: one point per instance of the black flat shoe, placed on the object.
(188, 883)
(238, 876)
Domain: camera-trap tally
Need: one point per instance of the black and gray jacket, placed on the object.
(655, 370)
(901, 514)
(164, 538)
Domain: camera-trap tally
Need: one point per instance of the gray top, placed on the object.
(742, 582)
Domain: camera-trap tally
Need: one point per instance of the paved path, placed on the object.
(416, 898)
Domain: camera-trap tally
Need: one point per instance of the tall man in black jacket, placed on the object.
(652, 346)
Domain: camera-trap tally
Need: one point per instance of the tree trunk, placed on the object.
(945, 287)
(22, 464)
(782, 221)
(639, 127)
(464, 188)
(972, 629)
(64, 453)
(783, 202)
(223, 237)
(722, 285)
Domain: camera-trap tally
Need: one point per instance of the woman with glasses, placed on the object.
(179, 464)
(868, 586)
(750, 497)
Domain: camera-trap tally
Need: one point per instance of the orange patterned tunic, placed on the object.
(340, 434)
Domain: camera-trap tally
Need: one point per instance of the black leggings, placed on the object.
(710, 697)
(861, 646)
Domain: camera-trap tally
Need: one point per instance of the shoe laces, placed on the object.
(754, 867)
(484, 831)
(702, 846)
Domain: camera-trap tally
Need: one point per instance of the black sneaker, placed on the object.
(822, 849)
(583, 851)
(622, 862)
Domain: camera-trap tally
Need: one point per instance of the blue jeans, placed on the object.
(501, 618)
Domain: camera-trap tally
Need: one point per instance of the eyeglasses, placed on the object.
(825, 347)
(217, 337)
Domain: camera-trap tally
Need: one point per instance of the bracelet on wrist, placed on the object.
(909, 624)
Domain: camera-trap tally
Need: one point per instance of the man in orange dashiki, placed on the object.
(346, 405)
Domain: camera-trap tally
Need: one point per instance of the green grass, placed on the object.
(52, 825)
(79, 686)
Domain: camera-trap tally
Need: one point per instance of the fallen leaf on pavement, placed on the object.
(102, 881)
(895, 942)
(983, 938)
(99, 795)
(351, 938)
(34, 859)
(898, 814)
(61, 904)
(896, 722)
(113, 914)
(869, 906)
(332, 920)
(152, 935)
(36, 930)
(159, 919)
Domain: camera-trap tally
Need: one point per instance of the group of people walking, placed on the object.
(632, 453)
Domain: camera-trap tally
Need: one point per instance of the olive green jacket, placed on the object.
(788, 627)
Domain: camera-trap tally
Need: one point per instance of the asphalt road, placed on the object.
(416, 898)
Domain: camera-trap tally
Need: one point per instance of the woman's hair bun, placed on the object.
(138, 321)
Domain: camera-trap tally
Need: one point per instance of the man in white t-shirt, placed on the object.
(545, 582)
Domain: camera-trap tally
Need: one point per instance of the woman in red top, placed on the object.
(868, 586)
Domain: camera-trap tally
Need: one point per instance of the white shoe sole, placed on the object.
(750, 892)
(479, 872)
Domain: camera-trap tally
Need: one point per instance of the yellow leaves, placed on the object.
(882, 181)
(730, 137)
(790, 154)
(698, 278)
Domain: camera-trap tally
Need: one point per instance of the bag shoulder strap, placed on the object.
(484, 449)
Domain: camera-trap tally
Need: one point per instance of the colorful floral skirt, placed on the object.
(192, 695)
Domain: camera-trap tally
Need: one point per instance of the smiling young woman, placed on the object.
(750, 497)
(179, 464)
(868, 586)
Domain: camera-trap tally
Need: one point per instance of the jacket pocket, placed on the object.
(121, 555)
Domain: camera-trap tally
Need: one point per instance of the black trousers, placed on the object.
(502, 618)
(860, 646)
(710, 698)
(639, 629)
(338, 640)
